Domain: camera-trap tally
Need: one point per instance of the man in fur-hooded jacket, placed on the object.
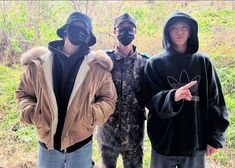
(65, 92)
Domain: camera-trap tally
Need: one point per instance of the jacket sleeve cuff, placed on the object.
(27, 116)
(217, 140)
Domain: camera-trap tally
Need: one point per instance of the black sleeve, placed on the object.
(155, 96)
(217, 112)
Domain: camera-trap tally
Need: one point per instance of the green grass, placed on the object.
(216, 35)
(26, 137)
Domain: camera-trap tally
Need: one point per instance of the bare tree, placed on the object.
(83, 6)
(113, 10)
(5, 44)
(233, 5)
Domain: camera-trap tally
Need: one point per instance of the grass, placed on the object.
(19, 141)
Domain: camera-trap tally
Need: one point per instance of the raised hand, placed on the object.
(184, 92)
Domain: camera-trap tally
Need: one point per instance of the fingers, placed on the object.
(183, 94)
(189, 85)
(187, 94)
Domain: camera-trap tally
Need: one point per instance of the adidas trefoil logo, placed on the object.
(183, 80)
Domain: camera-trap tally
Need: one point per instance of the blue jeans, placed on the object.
(81, 158)
(164, 161)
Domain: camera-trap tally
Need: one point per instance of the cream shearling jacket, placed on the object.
(91, 102)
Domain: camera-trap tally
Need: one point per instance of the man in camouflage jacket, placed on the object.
(124, 131)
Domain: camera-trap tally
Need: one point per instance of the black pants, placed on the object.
(131, 158)
(163, 161)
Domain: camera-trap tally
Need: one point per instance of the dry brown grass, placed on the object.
(16, 154)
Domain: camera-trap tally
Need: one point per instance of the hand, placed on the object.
(210, 150)
(184, 92)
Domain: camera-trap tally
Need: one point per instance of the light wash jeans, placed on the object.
(163, 161)
(81, 158)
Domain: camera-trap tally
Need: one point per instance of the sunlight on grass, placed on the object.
(18, 143)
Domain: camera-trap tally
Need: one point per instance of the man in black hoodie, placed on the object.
(187, 111)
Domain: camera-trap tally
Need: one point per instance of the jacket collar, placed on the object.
(56, 47)
(34, 53)
(118, 55)
(43, 54)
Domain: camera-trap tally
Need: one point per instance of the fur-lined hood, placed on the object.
(93, 57)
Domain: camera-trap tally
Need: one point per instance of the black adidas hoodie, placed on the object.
(182, 128)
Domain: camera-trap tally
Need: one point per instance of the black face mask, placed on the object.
(76, 35)
(126, 36)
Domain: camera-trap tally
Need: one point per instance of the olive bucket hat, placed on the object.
(78, 16)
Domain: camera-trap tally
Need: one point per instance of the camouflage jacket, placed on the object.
(125, 128)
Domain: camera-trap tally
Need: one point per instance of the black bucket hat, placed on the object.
(78, 16)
